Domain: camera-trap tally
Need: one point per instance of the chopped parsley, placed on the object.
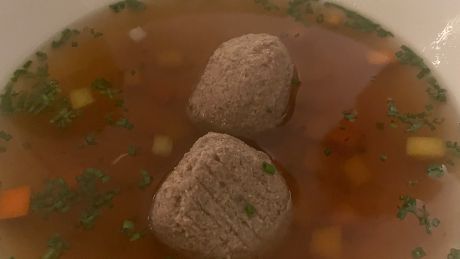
(95, 34)
(105, 88)
(359, 22)
(41, 56)
(407, 56)
(327, 151)
(436, 170)
(268, 168)
(413, 121)
(132, 150)
(250, 210)
(297, 9)
(454, 147)
(350, 115)
(56, 247)
(90, 139)
(124, 123)
(296, 80)
(454, 254)
(58, 196)
(410, 205)
(267, 5)
(134, 5)
(383, 157)
(65, 115)
(5, 136)
(128, 228)
(66, 36)
(146, 179)
(435, 91)
(418, 252)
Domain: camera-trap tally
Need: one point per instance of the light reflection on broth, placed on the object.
(336, 74)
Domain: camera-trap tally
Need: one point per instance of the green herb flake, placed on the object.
(65, 37)
(56, 196)
(297, 9)
(359, 22)
(296, 80)
(146, 179)
(454, 254)
(327, 151)
(134, 5)
(250, 210)
(105, 88)
(453, 147)
(56, 247)
(132, 150)
(41, 56)
(5, 136)
(436, 170)
(95, 34)
(268, 168)
(414, 121)
(90, 139)
(350, 116)
(418, 252)
(65, 115)
(127, 228)
(410, 205)
(127, 225)
(383, 157)
(267, 5)
(124, 123)
(412, 183)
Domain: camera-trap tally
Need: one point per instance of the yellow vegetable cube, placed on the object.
(357, 171)
(162, 145)
(81, 97)
(327, 242)
(425, 147)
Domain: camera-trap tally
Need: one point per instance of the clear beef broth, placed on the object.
(336, 75)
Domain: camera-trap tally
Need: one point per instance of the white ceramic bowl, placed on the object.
(429, 26)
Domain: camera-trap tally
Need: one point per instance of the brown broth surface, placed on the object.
(336, 76)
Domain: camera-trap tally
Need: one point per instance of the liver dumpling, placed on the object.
(246, 86)
(223, 200)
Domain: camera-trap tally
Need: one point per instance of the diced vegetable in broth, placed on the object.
(425, 147)
(81, 97)
(14, 203)
(326, 242)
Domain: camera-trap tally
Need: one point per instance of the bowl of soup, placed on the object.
(229, 129)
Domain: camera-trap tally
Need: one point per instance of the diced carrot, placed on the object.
(379, 57)
(425, 147)
(334, 18)
(357, 171)
(327, 242)
(14, 202)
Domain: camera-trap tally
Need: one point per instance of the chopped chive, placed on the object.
(350, 115)
(5, 136)
(436, 170)
(250, 210)
(132, 150)
(268, 168)
(146, 179)
(418, 252)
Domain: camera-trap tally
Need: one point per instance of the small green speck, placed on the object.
(418, 252)
(268, 168)
(249, 210)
